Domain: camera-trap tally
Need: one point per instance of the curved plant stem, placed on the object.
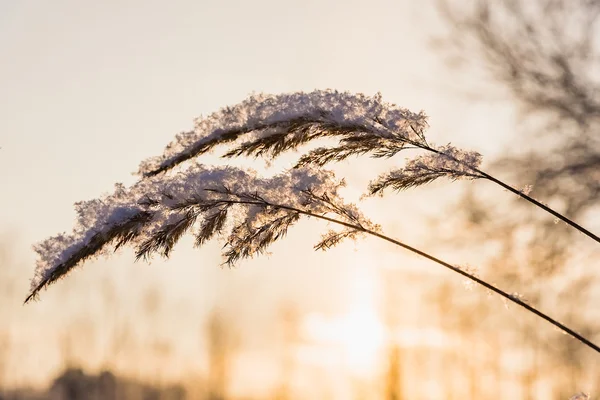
(473, 278)
(542, 206)
(519, 193)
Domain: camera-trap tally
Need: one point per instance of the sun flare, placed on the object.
(358, 334)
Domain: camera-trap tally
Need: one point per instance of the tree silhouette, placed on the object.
(544, 55)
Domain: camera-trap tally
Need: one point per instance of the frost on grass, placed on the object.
(267, 125)
(469, 284)
(444, 161)
(516, 297)
(154, 213)
(526, 190)
(228, 202)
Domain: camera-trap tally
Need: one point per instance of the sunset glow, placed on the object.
(359, 333)
(327, 201)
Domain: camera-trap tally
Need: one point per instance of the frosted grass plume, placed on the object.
(269, 125)
(155, 212)
(248, 212)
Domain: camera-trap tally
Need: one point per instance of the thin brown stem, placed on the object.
(542, 206)
(458, 270)
(519, 193)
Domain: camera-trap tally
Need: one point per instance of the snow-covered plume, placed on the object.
(442, 161)
(247, 212)
(267, 125)
(237, 205)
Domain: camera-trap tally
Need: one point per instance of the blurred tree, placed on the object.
(220, 348)
(545, 55)
(75, 384)
(393, 385)
(4, 350)
(289, 325)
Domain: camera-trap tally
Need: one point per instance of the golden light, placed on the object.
(358, 335)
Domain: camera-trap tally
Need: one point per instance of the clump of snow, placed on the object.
(98, 217)
(526, 189)
(260, 114)
(469, 284)
(446, 161)
(449, 158)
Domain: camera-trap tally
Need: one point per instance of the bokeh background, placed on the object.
(89, 89)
